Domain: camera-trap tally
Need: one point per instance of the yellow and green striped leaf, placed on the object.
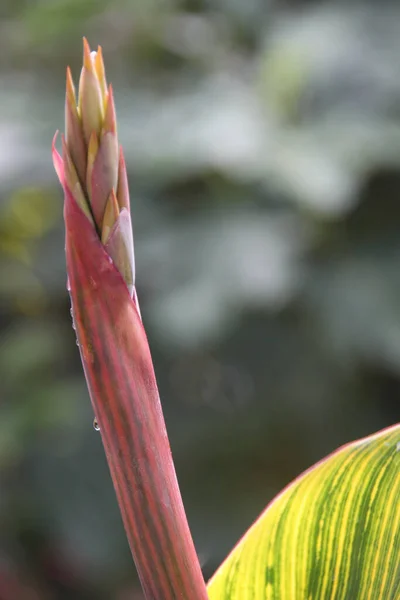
(333, 534)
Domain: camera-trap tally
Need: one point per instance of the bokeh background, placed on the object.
(263, 147)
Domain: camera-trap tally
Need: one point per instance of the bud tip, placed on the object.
(71, 97)
(110, 118)
(100, 71)
(87, 59)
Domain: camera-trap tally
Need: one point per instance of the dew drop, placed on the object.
(77, 343)
(96, 426)
(71, 312)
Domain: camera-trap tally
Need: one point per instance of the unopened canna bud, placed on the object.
(92, 166)
(91, 101)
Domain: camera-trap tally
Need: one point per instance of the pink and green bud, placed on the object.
(92, 162)
(91, 103)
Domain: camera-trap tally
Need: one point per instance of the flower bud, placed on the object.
(91, 101)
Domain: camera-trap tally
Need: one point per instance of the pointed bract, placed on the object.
(70, 94)
(119, 245)
(111, 215)
(100, 71)
(72, 181)
(93, 148)
(91, 101)
(104, 175)
(73, 131)
(123, 189)
(57, 160)
(110, 118)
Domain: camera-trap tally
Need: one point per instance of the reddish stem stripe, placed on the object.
(124, 394)
(101, 387)
(153, 534)
(116, 436)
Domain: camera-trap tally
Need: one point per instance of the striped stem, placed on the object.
(123, 390)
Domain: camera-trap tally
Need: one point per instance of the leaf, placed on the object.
(332, 534)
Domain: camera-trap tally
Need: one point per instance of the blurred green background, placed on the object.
(263, 147)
